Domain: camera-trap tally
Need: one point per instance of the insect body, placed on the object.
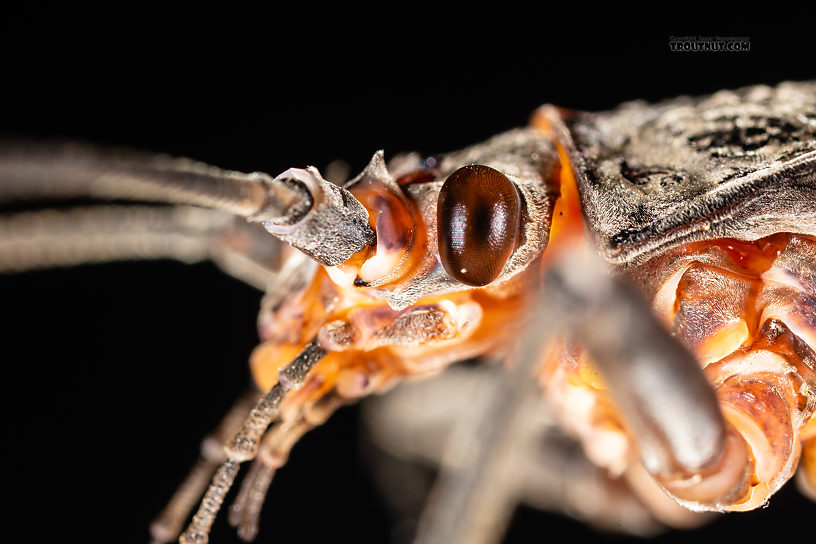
(698, 206)
(694, 182)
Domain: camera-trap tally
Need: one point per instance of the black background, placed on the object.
(112, 373)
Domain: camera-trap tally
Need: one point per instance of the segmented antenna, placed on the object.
(67, 170)
(244, 445)
(300, 207)
(48, 238)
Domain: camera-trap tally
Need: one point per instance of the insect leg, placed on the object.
(411, 425)
(651, 377)
(273, 454)
(244, 444)
(478, 488)
(640, 360)
(476, 492)
(168, 524)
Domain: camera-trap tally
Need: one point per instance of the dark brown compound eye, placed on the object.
(478, 216)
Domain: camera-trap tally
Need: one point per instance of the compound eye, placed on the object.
(478, 216)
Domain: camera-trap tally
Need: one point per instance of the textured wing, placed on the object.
(739, 164)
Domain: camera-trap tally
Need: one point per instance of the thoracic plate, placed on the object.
(738, 164)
